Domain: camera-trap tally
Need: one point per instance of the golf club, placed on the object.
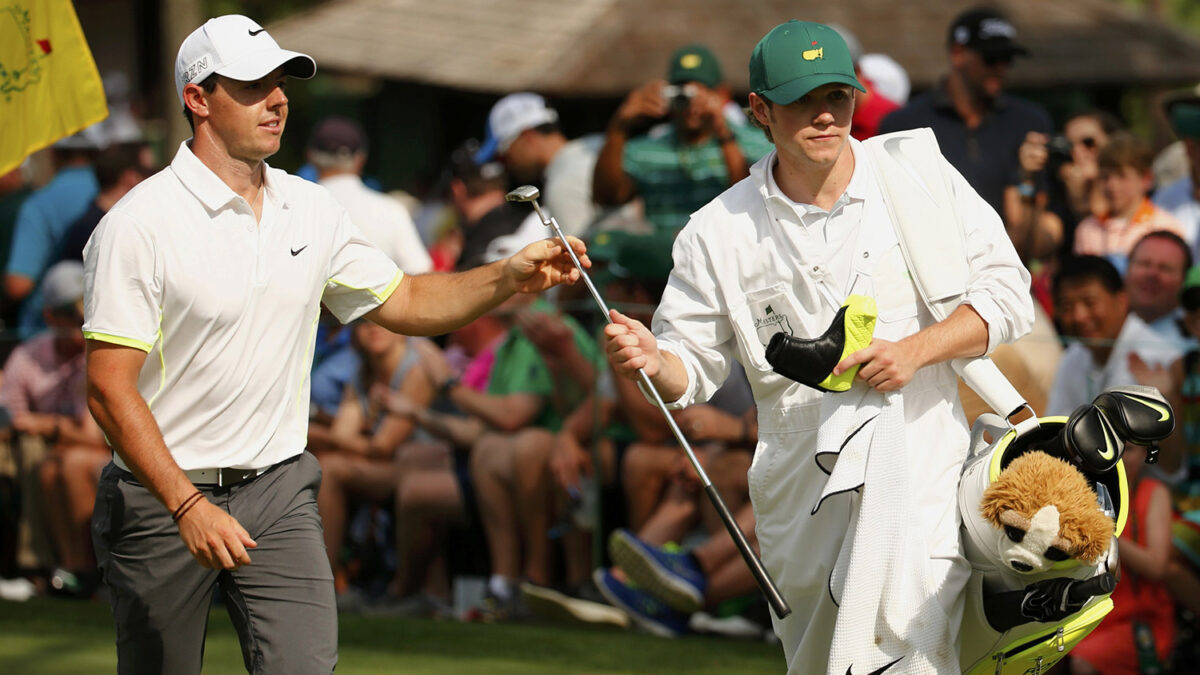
(529, 193)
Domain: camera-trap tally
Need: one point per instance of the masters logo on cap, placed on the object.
(797, 57)
(694, 63)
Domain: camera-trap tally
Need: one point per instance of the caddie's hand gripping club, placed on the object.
(529, 193)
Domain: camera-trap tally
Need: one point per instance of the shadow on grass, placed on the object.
(52, 637)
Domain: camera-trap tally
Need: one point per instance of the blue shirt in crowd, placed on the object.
(41, 222)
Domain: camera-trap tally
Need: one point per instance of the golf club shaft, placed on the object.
(765, 582)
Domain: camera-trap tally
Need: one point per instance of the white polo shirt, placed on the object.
(226, 306)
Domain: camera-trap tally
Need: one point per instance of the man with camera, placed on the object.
(676, 168)
(978, 126)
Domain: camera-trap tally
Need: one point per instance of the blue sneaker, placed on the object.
(646, 610)
(673, 577)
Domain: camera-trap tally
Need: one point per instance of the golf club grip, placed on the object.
(765, 582)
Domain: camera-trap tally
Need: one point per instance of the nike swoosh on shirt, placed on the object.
(296, 251)
(255, 32)
(849, 671)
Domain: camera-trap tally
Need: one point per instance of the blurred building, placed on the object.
(422, 75)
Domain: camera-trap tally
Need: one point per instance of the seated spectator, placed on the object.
(437, 493)
(43, 391)
(363, 458)
(1139, 634)
(541, 368)
(660, 587)
(1157, 265)
(41, 221)
(584, 456)
(542, 371)
(1125, 179)
(1107, 344)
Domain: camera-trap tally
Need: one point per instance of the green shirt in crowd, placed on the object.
(675, 179)
(520, 369)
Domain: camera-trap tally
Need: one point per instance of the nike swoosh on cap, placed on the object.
(255, 32)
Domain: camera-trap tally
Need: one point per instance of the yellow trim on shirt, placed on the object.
(383, 296)
(162, 363)
(118, 340)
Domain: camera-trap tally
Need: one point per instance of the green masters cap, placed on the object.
(1185, 118)
(694, 63)
(797, 57)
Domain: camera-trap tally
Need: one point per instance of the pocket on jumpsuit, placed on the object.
(767, 311)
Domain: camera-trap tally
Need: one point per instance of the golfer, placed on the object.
(871, 567)
(203, 288)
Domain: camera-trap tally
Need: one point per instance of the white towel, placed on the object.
(888, 611)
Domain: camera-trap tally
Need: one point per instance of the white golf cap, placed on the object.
(509, 117)
(238, 48)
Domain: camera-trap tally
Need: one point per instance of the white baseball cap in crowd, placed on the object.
(887, 77)
(509, 117)
(238, 48)
(63, 284)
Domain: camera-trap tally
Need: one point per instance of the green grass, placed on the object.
(49, 636)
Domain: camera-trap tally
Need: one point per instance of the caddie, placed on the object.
(854, 492)
(202, 291)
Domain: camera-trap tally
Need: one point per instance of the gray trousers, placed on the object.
(282, 604)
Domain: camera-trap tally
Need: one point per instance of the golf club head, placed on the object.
(525, 193)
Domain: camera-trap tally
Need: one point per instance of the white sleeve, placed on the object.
(998, 283)
(361, 276)
(692, 322)
(123, 284)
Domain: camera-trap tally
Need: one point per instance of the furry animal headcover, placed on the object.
(1028, 492)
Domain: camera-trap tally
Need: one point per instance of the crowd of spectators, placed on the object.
(508, 452)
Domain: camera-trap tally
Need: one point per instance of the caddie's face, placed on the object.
(249, 117)
(812, 130)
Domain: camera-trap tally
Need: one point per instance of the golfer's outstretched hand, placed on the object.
(215, 538)
(545, 263)
(629, 345)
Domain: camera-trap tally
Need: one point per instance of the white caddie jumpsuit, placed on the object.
(745, 267)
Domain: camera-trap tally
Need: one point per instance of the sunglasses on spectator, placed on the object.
(993, 60)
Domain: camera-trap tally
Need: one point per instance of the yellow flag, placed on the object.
(49, 85)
